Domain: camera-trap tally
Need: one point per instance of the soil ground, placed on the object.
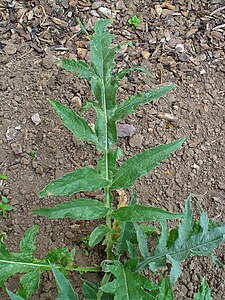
(178, 41)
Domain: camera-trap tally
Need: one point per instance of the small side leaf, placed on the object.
(97, 235)
(142, 241)
(13, 296)
(66, 291)
(85, 179)
(124, 72)
(130, 105)
(203, 291)
(79, 209)
(166, 292)
(140, 213)
(78, 66)
(141, 164)
(29, 284)
(76, 124)
(27, 244)
(89, 290)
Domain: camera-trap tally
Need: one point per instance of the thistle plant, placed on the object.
(121, 229)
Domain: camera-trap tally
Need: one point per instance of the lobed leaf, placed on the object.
(141, 164)
(25, 263)
(79, 209)
(132, 103)
(76, 124)
(66, 291)
(140, 213)
(187, 243)
(85, 179)
(128, 284)
(78, 66)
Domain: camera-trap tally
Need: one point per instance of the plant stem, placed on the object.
(109, 244)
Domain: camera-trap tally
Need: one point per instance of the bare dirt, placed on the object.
(178, 41)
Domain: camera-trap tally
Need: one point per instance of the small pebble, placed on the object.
(36, 119)
(16, 148)
(125, 130)
(105, 11)
(145, 54)
(76, 101)
(10, 133)
(136, 141)
(10, 49)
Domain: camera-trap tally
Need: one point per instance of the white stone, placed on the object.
(36, 119)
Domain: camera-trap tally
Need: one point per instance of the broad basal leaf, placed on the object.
(76, 124)
(66, 291)
(130, 105)
(203, 292)
(141, 164)
(85, 179)
(187, 243)
(97, 235)
(79, 209)
(129, 284)
(78, 66)
(140, 213)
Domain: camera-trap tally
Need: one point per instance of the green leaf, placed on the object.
(203, 291)
(141, 164)
(124, 72)
(89, 290)
(13, 296)
(111, 158)
(132, 103)
(166, 292)
(29, 283)
(140, 213)
(97, 235)
(85, 179)
(66, 291)
(76, 124)
(128, 284)
(3, 177)
(188, 243)
(142, 240)
(61, 255)
(102, 55)
(79, 209)
(27, 244)
(78, 66)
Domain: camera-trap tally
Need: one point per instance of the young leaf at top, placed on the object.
(76, 124)
(127, 283)
(79, 209)
(203, 291)
(141, 164)
(140, 213)
(78, 66)
(66, 291)
(132, 103)
(84, 179)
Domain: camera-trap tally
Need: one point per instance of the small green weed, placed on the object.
(33, 155)
(4, 206)
(122, 228)
(134, 22)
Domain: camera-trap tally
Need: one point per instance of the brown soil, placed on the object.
(183, 43)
